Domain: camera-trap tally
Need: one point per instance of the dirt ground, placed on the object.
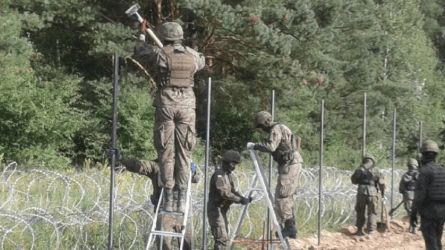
(398, 238)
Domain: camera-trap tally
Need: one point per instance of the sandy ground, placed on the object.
(398, 238)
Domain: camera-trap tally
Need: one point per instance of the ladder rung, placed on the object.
(167, 234)
(181, 235)
(171, 213)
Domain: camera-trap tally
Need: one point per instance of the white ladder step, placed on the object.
(166, 234)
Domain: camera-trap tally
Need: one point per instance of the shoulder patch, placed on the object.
(220, 183)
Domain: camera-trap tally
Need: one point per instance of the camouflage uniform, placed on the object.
(429, 197)
(147, 168)
(173, 68)
(282, 144)
(368, 178)
(407, 184)
(222, 194)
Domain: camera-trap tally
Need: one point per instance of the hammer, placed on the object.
(133, 11)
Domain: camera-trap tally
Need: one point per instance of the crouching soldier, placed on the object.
(368, 178)
(222, 194)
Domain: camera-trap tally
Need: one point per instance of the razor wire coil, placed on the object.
(43, 208)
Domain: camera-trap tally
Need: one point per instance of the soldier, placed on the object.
(408, 184)
(150, 169)
(282, 144)
(429, 197)
(173, 67)
(222, 194)
(368, 178)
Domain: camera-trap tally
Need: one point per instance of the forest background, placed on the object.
(56, 76)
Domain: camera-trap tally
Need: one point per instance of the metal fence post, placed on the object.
(320, 179)
(113, 144)
(206, 166)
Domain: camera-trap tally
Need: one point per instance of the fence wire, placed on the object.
(43, 209)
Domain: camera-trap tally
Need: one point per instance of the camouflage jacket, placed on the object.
(222, 191)
(155, 60)
(281, 143)
(368, 178)
(408, 183)
(147, 168)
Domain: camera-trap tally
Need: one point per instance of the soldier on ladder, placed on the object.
(221, 195)
(174, 131)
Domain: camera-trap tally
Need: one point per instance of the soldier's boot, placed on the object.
(360, 231)
(175, 198)
(168, 200)
(371, 231)
(289, 230)
(182, 199)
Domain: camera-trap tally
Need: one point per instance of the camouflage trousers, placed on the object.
(172, 223)
(174, 138)
(408, 204)
(287, 185)
(363, 202)
(219, 226)
(408, 198)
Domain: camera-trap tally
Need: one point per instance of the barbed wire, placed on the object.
(43, 209)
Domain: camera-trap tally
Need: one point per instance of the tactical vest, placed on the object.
(411, 185)
(283, 156)
(181, 67)
(436, 190)
(366, 178)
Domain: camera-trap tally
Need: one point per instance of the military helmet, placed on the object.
(368, 156)
(261, 118)
(171, 31)
(231, 156)
(412, 163)
(429, 146)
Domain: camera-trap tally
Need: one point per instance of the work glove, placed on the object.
(250, 145)
(245, 200)
(143, 27)
(116, 151)
(384, 199)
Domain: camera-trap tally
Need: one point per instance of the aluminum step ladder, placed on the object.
(260, 177)
(159, 232)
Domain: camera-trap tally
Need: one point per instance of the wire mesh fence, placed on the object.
(43, 209)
